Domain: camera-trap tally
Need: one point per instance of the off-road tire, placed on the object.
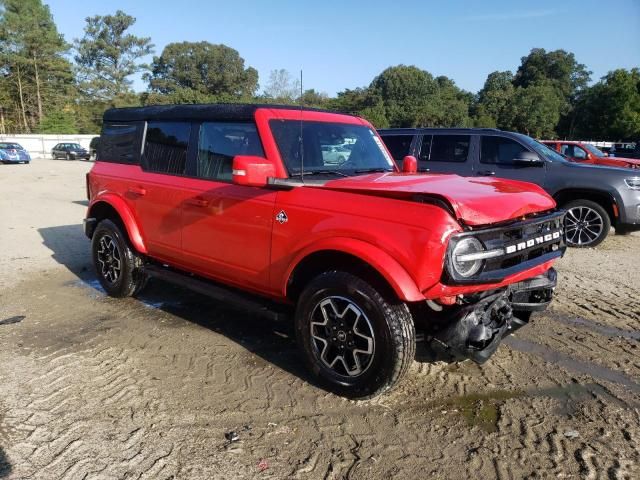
(392, 327)
(131, 278)
(587, 204)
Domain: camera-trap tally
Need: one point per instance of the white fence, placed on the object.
(40, 145)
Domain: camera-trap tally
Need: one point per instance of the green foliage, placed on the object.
(107, 56)
(197, 71)
(494, 100)
(35, 77)
(557, 68)
(58, 121)
(610, 109)
(406, 96)
(548, 95)
(535, 110)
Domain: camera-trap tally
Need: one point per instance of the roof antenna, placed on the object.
(301, 139)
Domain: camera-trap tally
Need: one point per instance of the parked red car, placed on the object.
(587, 153)
(245, 203)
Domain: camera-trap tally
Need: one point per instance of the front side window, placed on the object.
(594, 150)
(165, 148)
(10, 146)
(445, 148)
(398, 145)
(329, 148)
(499, 150)
(579, 153)
(219, 142)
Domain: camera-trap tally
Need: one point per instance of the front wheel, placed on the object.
(119, 268)
(354, 340)
(587, 224)
(69, 156)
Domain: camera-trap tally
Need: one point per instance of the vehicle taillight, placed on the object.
(86, 177)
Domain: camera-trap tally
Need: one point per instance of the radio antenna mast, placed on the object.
(301, 133)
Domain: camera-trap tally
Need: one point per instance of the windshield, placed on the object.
(541, 149)
(9, 146)
(596, 151)
(75, 145)
(329, 148)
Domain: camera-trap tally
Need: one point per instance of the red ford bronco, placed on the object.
(251, 205)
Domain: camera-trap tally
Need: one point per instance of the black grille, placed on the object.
(526, 237)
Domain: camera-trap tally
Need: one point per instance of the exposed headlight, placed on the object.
(633, 183)
(464, 256)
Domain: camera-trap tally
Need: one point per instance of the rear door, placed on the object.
(226, 228)
(496, 159)
(446, 153)
(156, 194)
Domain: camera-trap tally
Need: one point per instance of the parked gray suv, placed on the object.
(596, 197)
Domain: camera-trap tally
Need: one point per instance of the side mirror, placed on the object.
(528, 159)
(252, 171)
(409, 164)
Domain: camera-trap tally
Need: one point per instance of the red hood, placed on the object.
(476, 201)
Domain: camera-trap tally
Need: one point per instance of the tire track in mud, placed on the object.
(148, 393)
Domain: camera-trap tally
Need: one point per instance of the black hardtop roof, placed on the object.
(209, 111)
(440, 130)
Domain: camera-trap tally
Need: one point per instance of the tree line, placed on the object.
(49, 85)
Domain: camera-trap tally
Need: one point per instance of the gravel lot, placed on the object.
(93, 387)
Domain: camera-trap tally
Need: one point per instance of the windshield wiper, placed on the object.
(319, 172)
(374, 170)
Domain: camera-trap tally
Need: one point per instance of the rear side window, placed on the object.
(165, 147)
(499, 150)
(445, 148)
(219, 142)
(398, 145)
(119, 143)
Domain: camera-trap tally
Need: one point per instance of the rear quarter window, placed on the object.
(120, 143)
(398, 145)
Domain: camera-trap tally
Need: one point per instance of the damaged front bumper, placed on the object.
(475, 328)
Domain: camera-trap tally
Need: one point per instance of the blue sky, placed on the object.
(344, 44)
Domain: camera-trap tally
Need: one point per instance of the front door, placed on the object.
(226, 232)
(496, 159)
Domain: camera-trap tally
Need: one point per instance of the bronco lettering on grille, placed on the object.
(534, 242)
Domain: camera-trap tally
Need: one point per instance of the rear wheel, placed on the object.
(355, 341)
(119, 268)
(587, 224)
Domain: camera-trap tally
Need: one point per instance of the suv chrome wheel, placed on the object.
(109, 259)
(342, 336)
(583, 225)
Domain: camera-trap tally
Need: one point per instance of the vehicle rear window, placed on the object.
(119, 143)
(398, 145)
(445, 148)
(219, 142)
(165, 147)
(499, 150)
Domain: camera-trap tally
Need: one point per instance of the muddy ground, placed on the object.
(93, 387)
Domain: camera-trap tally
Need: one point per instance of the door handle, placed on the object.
(137, 191)
(486, 173)
(197, 202)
